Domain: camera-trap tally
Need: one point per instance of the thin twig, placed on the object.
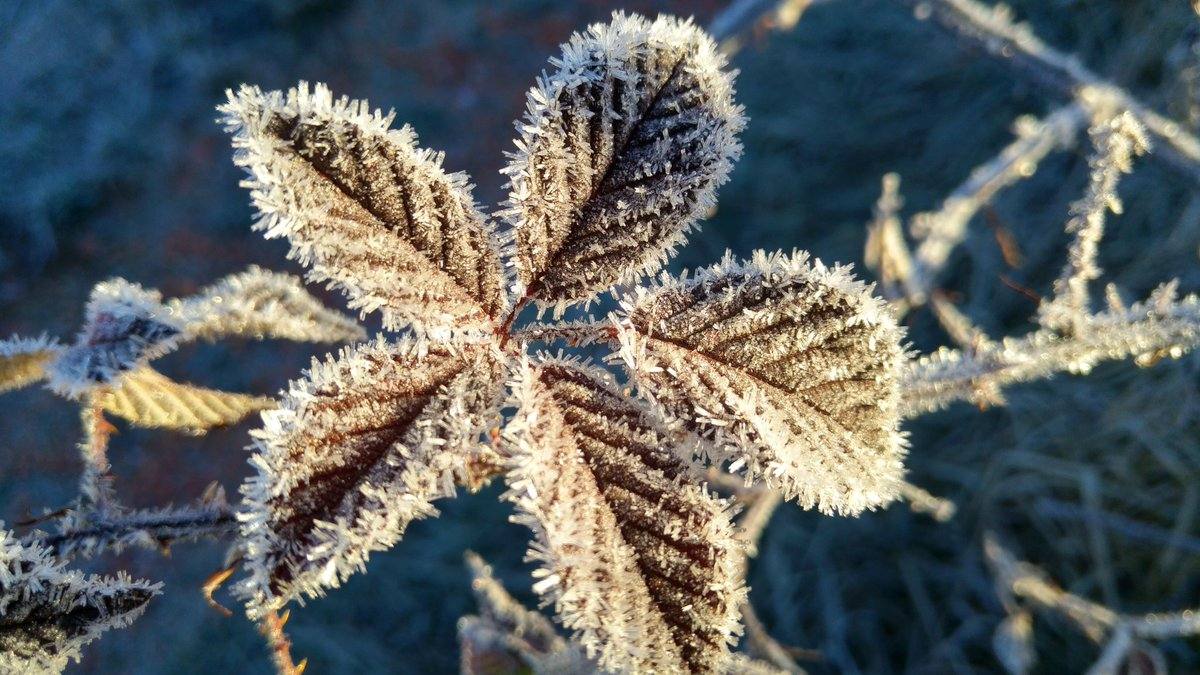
(1161, 326)
(732, 25)
(765, 647)
(271, 627)
(1016, 579)
(991, 28)
(92, 532)
(937, 233)
(921, 500)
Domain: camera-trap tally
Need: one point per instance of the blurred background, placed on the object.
(111, 164)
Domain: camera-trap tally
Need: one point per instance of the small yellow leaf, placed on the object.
(147, 398)
(23, 361)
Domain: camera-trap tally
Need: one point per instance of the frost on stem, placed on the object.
(126, 326)
(48, 613)
(620, 154)
(789, 368)
(640, 561)
(23, 361)
(506, 636)
(356, 451)
(367, 209)
(1117, 141)
(260, 304)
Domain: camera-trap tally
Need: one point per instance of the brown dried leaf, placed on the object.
(641, 562)
(367, 209)
(356, 451)
(789, 368)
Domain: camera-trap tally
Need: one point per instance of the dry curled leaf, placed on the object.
(356, 451)
(640, 561)
(126, 326)
(789, 368)
(260, 304)
(48, 613)
(367, 209)
(621, 151)
(147, 398)
(23, 361)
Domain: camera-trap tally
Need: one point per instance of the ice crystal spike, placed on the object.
(620, 154)
(261, 304)
(23, 361)
(366, 209)
(788, 367)
(355, 452)
(640, 561)
(48, 613)
(126, 326)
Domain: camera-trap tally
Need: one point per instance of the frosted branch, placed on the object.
(1017, 580)
(937, 233)
(1162, 326)
(740, 19)
(992, 29)
(89, 533)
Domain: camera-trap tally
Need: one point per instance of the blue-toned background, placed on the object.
(111, 164)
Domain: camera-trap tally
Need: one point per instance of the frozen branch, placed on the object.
(1117, 141)
(1016, 580)
(921, 500)
(992, 29)
(937, 233)
(1162, 326)
(731, 27)
(89, 533)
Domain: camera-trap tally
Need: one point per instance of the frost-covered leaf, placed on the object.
(47, 612)
(23, 361)
(789, 367)
(126, 326)
(640, 561)
(366, 209)
(147, 398)
(262, 304)
(621, 152)
(356, 451)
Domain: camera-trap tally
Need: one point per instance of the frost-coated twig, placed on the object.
(95, 484)
(937, 233)
(1070, 338)
(1020, 580)
(992, 29)
(740, 17)
(1117, 141)
(921, 500)
(761, 645)
(93, 532)
(1163, 325)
